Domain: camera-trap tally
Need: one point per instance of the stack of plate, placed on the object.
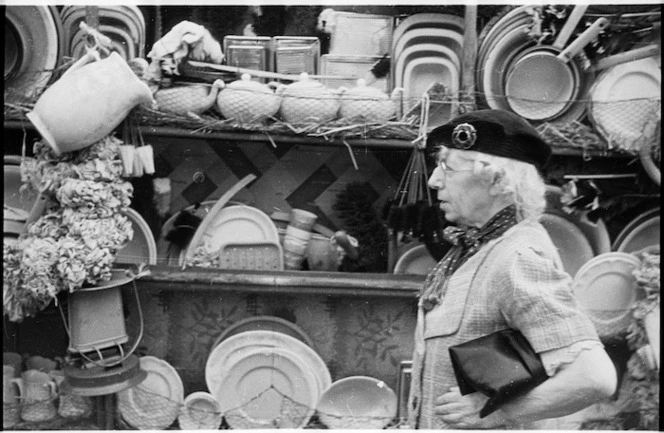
(34, 39)
(517, 74)
(427, 49)
(266, 379)
(124, 25)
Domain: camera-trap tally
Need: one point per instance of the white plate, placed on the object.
(142, 248)
(422, 50)
(630, 86)
(240, 224)
(153, 404)
(35, 43)
(255, 389)
(573, 246)
(265, 323)
(416, 261)
(429, 20)
(643, 231)
(237, 346)
(606, 289)
(446, 37)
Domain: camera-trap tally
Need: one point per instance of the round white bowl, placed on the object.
(357, 402)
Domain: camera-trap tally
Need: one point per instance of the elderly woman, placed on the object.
(502, 272)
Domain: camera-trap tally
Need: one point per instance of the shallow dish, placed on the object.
(200, 411)
(416, 261)
(605, 288)
(643, 231)
(573, 246)
(357, 402)
(153, 404)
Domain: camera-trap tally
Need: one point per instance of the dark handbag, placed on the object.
(501, 366)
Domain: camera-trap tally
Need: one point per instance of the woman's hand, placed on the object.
(463, 411)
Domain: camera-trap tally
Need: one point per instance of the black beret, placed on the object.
(496, 132)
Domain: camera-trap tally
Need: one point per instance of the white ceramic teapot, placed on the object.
(308, 100)
(183, 99)
(88, 102)
(248, 101)
(368, 103)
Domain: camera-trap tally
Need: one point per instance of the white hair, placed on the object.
(520, 182)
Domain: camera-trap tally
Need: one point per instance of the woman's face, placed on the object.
(464, 195)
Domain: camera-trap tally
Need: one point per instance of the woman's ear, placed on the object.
(496, 185)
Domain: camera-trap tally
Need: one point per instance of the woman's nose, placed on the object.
(436, 179)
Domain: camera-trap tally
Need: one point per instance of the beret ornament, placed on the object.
(464, 136)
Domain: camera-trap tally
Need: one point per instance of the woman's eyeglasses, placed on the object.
(446, 170)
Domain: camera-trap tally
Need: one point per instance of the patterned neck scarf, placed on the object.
(465, 243)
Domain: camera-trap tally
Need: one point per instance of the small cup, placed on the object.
(200, 411)
(302, 219)
(38, 391)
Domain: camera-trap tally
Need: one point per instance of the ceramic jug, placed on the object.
(184, 99)
(88, 102)
(37, 391)
(10, 397)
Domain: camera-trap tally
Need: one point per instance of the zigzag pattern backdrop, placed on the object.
(287, 176)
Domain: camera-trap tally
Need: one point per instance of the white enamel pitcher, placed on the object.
(88, 102)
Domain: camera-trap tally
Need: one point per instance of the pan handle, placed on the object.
(571, 23)
(584, 39)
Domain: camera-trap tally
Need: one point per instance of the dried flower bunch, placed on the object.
(76, 239)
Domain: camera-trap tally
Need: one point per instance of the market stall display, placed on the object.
(516, 56)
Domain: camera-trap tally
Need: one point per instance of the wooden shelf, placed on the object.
(292, 282)
(397, 144)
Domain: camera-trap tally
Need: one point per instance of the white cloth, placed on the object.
(186, 40)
